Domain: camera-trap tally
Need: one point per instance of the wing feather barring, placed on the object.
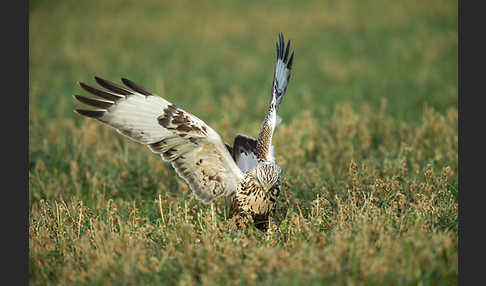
(246, 171)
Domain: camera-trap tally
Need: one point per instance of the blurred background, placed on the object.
(368, 141)
(216, 59)
(197, 53)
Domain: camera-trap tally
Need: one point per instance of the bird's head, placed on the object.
(267, 175)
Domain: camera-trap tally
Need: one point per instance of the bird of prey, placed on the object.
(245, 172)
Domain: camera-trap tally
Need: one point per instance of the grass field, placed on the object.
(368, 143)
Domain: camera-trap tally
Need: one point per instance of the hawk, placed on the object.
(245, 172)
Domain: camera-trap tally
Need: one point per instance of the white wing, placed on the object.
(283, 69)
(194, 149)
(244, 152)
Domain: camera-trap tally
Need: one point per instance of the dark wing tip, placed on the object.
(90, 113)
(112, 86)
(82, 84)
(284, 50)
(277, 50)
(291, 60)
(100, 93)
(104, 104)
(135, 87)
(286, 56)
(89, 88)
(229, 148)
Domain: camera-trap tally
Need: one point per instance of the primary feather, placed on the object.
(193, 148)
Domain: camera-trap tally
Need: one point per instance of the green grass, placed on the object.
(368, 143)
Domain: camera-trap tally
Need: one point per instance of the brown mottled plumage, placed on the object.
(245, 171)
(263, 146)
(253, 199)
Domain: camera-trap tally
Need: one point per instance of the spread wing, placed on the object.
(245, 152)
(281, 79)
(194, 149)
(283, 69)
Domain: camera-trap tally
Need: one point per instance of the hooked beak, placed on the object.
(266, 190)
